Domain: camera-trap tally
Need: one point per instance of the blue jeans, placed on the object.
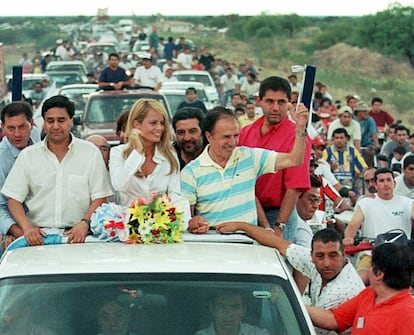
(289, 233)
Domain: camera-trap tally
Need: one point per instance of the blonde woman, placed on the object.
(147, 163)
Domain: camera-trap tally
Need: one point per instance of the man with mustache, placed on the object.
(189, 142)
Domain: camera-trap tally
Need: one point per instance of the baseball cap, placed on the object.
(345, 109)
(146, 55)
(318, 142)
(362, 106)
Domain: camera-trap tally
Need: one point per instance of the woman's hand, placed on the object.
(136, 141)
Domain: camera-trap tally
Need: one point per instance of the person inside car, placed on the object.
(227, 310)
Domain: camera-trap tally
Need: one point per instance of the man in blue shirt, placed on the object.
(192, 101)
(16, 119)
(369, 138)
(114, 76)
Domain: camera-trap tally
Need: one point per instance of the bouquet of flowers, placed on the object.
(147, 220)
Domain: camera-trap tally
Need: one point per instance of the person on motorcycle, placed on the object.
(379, 214)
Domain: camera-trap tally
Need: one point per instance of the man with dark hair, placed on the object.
(379, 214)
(189, 142)
(59, 182)
(220, 183)
(227, 309)
(404, 183)
(16, 119)
(346, 163)
(113, 76)
(192, 101)
(277, 192)
(386, 307)
(333, 279)
(401, 139)
(380, 116)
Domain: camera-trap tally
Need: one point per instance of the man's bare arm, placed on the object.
(263, 236)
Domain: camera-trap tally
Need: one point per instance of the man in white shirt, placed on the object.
(147, 74)
(59, 182)
(185, 59)
(379, 214)
(404, 183)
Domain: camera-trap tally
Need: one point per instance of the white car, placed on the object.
(158, 289)
(28, 82)
(203, 77)
(174, 91)
(67, 65)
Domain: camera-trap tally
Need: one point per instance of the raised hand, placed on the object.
(136, 141)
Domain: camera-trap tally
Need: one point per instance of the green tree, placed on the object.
(389, 32)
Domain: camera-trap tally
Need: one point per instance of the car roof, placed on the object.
(79, 86)
(182, 85)
(198, 256)
(65, 62)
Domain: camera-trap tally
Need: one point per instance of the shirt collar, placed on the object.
(15, 151)
(206, 160)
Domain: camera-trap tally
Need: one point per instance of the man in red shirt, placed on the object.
(381, 117)
(386, 307)
(277, 192)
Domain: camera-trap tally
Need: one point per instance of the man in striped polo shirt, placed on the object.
(220, 183)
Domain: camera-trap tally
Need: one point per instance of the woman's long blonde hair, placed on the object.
(138, 112)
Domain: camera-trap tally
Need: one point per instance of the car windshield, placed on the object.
(148, 304)
(66, 67)
(107, 109)
(61, 79)
(174, 99)
(78, 96)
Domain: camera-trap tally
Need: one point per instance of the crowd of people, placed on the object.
(246, 165)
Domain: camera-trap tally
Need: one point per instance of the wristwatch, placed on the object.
(281, 225)
(87, 221)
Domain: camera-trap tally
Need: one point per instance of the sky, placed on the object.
(197, 8)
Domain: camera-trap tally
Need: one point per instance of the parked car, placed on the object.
(103, 108)
(140, 46)
(67, 65)
(28, 82)
(203, 77)
(95, 47)
(149, 289)
(61, 78)
(174, 91)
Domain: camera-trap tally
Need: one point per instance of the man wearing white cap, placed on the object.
(147, 74)
(352, 127)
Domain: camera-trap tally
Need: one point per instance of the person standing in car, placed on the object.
(113, 76)
(192, 101)
(58, 183)
(147, 74)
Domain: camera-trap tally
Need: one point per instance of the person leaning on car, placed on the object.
(59, 182)
(332, 279)
(386, 307)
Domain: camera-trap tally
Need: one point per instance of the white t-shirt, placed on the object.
(401, 187)
(148, 77)
(381, 215)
